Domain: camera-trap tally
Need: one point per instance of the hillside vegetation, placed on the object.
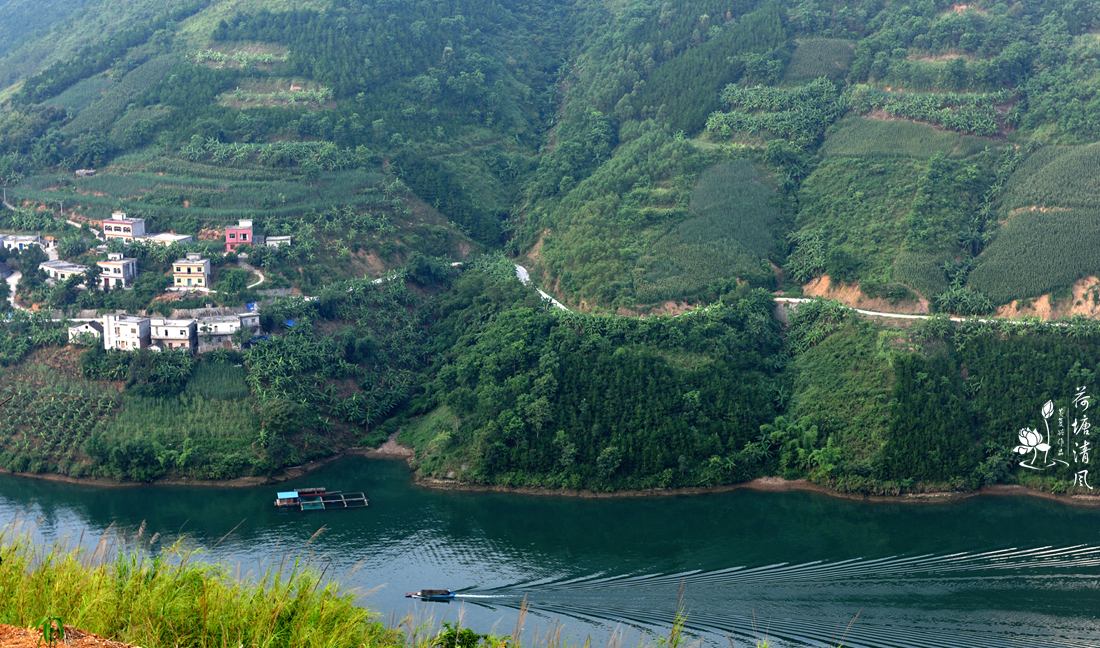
(637, 156)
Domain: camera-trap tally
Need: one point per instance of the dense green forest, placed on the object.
(637, 157)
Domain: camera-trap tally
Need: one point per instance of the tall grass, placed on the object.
(124, 591)
(222, 381)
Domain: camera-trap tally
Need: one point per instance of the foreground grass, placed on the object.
(171, 599)
(121, 592)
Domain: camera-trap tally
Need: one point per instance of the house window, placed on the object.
(133, 331)
(244, 237)
(233, 236)
(178, 270)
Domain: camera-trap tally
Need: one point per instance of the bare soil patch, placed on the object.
(1085, 301)
(937, 58)
(16, 637)
(854, 297)
(1038, 208)
(391, 449)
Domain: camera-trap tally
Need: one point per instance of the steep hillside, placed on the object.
(637, 156)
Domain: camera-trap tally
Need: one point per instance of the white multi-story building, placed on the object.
(173, 334)
(118, 271)
(120, 226)
(127, 332)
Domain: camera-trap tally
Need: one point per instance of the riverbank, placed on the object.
(393, 450)
(773, 484)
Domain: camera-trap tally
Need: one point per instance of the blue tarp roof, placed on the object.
(290, 322)
(288, 494)
(251, 307)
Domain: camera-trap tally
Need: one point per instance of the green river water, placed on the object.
(792, 567)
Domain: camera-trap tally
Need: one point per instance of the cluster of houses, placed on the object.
(120, 226)
(196, 335)
(119, 271)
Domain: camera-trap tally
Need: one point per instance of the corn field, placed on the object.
(1038, 251)
(862, 137)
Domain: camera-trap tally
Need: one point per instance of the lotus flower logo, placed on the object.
(1032, 441)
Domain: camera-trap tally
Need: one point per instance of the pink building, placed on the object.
(239, 235)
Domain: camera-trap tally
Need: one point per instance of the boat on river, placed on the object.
(319, 499)
(432, 595)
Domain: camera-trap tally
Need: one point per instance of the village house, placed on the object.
(121, 227)
(61, 270)
(21, 241)
(173, 334)
(251, 321)
(220, 331)
(118, 271)
(276, 241)
(167, 239)
(191, 272)
(216, 332)
(127, 332)
(85, 332)
(239, 235)
(85, 173)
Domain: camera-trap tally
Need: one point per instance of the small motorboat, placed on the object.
(432, 595)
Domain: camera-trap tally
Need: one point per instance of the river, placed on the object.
(794, 568)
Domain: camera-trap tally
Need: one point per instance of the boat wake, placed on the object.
(980, 599)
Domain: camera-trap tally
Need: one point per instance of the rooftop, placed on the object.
(171, 322)
(96, 326)
(121, 216)
(64, 266)
(129, 319)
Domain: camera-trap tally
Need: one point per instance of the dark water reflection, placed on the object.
(988, 571)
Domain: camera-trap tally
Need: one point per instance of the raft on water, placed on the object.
(319, 499)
